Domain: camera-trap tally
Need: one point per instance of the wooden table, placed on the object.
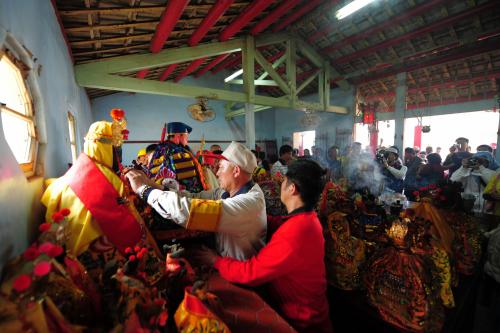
(244, 310)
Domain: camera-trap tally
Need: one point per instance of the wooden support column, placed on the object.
(248, 62)
(400, 111)
(321, 86)
(497, 151)
(326, 85)
(291, 69)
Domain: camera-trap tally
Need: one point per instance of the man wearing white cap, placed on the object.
(236, 210)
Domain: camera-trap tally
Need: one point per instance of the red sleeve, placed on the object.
(277, 258)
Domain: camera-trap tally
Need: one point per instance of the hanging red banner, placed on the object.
(417, 138)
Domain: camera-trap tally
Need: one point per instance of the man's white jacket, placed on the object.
(239, 221)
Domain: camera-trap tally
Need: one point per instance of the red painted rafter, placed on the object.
(450, 101)
(250, 12)
(169, 18)
(444, 85)
(215, 13)
(310, 5)
(273, 16)
(190, 68)
(212, 64)
(167, 72)
(462, 54)
(432, 27)
(373, 30)
(232, 61)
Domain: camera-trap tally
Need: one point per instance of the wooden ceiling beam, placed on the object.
(115, 49)
(112, 26)
(149, 23)
(143, 9)
(110, 40)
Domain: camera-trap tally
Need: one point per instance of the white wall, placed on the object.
(33, 24)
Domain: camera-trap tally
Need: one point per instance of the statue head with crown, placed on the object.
(104, 139)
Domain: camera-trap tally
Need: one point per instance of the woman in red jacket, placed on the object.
(292, 263)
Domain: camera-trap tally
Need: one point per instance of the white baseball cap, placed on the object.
(240, 155)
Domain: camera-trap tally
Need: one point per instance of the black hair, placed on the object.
(217, 152)
(151, 148)
(434, 158)
(487, 147)
(285, 149)
(462, 139)
(308, 177)
(410, 150)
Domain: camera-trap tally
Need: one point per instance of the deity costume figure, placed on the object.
(95, 194)
(173, 159)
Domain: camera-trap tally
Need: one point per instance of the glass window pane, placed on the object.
(71, 127)
(17, 135)
(11, 86)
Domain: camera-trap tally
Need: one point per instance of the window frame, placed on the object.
(72, 127)
(11, 50)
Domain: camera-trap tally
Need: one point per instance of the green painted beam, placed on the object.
(272, 38)
(256, 82)
(271, 71)
(337, 109)
(166, 57)
(275, 65)
(231, 114)
(307, 82)
(248, 66)
(301, 105)
(321, 86)
(326, 85)
(318, 60)
(132, 84)
(101, 75)
(291, 65)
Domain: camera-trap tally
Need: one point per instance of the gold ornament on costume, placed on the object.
(119, 127)
(398, 231)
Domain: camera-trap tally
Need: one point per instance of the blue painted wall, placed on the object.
(147, 113)
(34, 25)
(288, 121)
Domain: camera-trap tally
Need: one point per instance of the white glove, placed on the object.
(170, 184)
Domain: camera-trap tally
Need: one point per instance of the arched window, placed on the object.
(16, 108)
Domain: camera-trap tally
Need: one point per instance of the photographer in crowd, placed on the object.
(474, 174)
(392, 168)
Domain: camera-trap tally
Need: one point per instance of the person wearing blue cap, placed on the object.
(236, 211)
(173, 159)
(474, 174)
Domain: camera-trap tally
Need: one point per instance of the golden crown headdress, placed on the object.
(118, 134)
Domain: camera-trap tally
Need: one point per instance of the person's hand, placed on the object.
(205, 256)
(384, 162)
(137, 179)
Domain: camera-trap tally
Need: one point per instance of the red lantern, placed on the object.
(368, 114)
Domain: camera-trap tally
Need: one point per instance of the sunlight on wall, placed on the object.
(304, 140)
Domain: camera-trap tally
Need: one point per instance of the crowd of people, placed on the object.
(215, 191)
(406, 172)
